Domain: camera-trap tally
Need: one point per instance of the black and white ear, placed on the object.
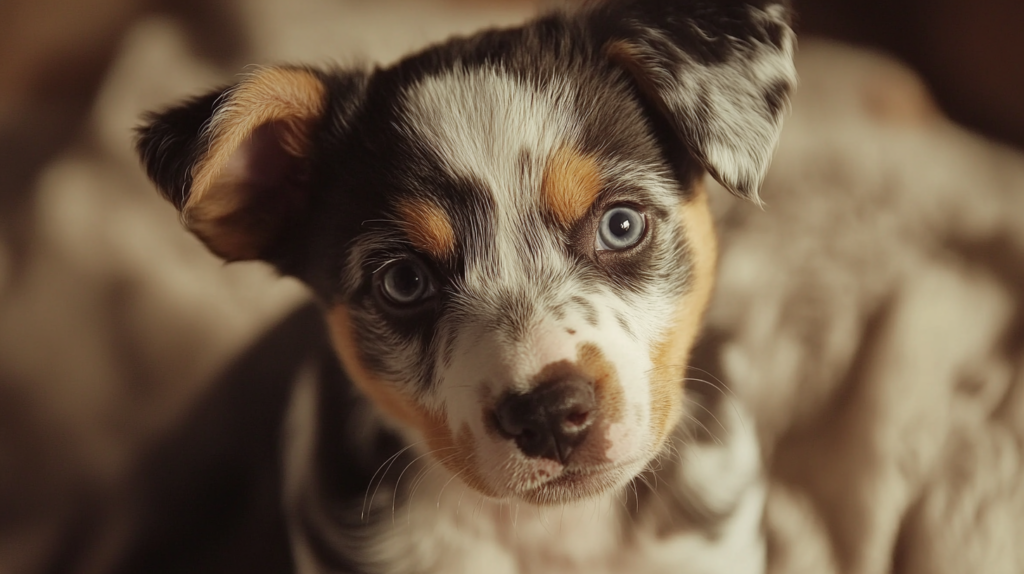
(720, 71)
(236, 162)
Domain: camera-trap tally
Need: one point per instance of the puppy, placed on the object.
(510, 240)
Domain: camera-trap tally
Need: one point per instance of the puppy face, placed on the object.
(541, 268)
(508, 232)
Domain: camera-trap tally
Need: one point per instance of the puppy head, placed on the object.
(508, 231)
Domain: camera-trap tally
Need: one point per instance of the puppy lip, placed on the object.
(593, 479)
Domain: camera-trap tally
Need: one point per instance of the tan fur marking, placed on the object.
(387, 399)
(454, 451)
(293, 97)
(571, 183)
(610, 395)
(671, 355)
(427, 227)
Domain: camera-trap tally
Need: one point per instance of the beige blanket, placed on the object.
(873, 317)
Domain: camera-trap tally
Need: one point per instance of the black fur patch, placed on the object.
(172, 141)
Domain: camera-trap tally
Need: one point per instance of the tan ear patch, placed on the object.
(571, 183)
(294, 96)
(428, 227)
(282, 105)
(453, 450)
(671, 355)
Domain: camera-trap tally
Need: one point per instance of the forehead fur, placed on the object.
(509, 152)
(483, 123)
(542, 144)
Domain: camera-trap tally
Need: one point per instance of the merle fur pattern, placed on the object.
(706, 93)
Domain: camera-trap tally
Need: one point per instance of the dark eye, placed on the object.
(620, 228)
(405, 282)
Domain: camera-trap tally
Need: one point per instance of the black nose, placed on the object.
(551, 420)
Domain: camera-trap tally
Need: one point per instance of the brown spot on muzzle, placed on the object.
(672, 353)
(610, 396)
(592, 364)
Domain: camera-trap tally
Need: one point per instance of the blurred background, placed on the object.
(114, 322)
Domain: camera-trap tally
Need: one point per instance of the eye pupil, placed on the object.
(620, 224)
(405, 282)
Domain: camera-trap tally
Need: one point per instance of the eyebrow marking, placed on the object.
(427, 226)
(572, 181)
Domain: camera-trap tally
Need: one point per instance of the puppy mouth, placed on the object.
(581, 482)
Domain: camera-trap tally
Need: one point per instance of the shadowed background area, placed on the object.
(117, 329)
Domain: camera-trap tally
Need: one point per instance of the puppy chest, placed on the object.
(458, 531)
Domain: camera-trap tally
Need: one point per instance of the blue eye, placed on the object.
(620, 228)
(406, 282)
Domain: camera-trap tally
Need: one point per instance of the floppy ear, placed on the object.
(236, 162)
(719, 71)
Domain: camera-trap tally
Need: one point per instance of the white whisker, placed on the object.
(388, 463)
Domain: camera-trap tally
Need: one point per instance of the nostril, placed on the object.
(578, 419)
(513, 416)
(551, 420)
